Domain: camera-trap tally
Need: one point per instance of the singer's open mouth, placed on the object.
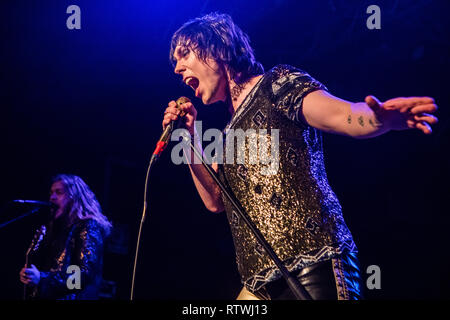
(192, 82)
(54, 206)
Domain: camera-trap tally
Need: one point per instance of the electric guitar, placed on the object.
(38, 236)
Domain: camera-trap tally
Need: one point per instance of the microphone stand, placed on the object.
(26, 214)
(294, 284)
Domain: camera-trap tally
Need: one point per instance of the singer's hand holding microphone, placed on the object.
(177, 111)
(183, 108)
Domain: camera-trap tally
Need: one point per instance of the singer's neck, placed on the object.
(239, 92)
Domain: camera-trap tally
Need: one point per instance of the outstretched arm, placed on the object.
(370, 118)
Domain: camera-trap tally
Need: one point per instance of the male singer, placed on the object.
(295, 209)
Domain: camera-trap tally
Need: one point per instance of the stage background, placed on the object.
(90, 102)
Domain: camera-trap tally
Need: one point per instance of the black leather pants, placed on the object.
(335, 279)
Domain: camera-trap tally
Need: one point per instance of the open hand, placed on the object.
(405, 113)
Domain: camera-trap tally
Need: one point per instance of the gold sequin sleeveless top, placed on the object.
(291, 202)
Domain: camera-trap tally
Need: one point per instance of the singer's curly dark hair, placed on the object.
(216, 36)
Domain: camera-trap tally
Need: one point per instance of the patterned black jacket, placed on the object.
(80, 245)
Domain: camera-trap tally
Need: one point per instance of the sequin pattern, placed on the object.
(83, 248)
(295, 209)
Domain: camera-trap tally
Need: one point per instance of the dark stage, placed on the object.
(90, 102)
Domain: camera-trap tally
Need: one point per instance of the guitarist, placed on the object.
(73, 242)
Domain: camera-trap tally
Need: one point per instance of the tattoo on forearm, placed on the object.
(349, 119)
(361, 121)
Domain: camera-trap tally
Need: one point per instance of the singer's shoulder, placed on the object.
(285, 79)
(285, 72)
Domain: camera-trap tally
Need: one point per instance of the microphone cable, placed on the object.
(144, 211)
(162, 143)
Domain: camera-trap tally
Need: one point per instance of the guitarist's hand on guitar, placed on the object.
(30, 275)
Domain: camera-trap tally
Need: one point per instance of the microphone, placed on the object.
(36, 203)
(165, 137)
